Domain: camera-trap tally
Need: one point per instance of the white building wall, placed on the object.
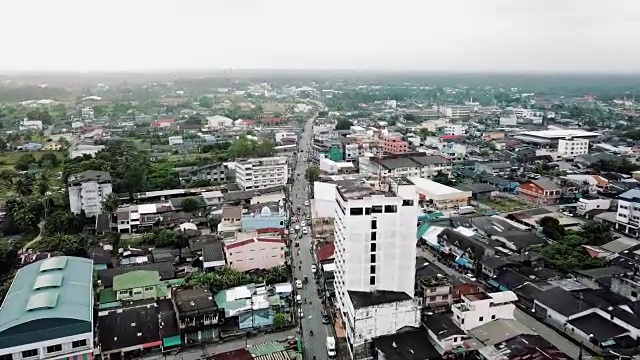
(261, 172)
(88, 197)
(394, 243)
(585, 205)
(323, 204)
(67, 348)
(469, 315)
(573, 147)
(628, 213)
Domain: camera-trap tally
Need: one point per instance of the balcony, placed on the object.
(461, 307)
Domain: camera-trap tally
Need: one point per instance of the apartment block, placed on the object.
(87, 191)
(260, 173)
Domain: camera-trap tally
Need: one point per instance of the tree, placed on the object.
(70, 245)
(63, 222)
(312, 174)
(7, 176)
(551, 228)
(279, 319)
(190, 204)
(343, 124)
(596, 233)
(24, 162)
(443, 179)
(213, 224)
(24, 214)
(424, 133)
(24, 186)
(48, 160)
(205, 102)
(110, 204)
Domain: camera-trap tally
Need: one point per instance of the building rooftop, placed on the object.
(435, 188)
(165, 269)
(498, 331)
(407, 345)
(194, 301)
(594, 324)
(55, 293)
(442, 325)
(87, 176)
(355, 190)
(129, 327)
(560, 134)
(362, 299)
(136, 279)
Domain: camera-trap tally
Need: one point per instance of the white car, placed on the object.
(313, 269)
(471, 277)
(306, 203)
(303, 223)
(299, 299)
(304, 231)
(300, 313)
(298, 284)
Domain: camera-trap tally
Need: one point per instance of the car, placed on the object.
(299, 299)
(306, 203)
(304, 230)
(298, 284)
(313, 269)
(297, 244)
(470, 276)
(325, 318)
(303, 223)
(300, 312)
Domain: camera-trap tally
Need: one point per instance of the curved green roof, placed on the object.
(54, 288)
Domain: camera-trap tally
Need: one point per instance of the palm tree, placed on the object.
(110, 204)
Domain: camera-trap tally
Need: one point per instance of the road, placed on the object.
(315, 345)
(549, 334)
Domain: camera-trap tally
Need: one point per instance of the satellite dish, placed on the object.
(265, 211)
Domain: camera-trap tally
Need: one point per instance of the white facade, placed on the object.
(323, 204)
(455, 129)
(375, 235)
(480, 308)
(217, 121)
(628, 212)
(285, 134)
(373, 169)
(86, 113)
(573, 147)
(60, 348)
(175, 140)
(585, 205)
(260, 173)
(364, 324)
(82, 150)
(88, 196)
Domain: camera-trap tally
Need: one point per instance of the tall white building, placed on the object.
(87, 191)
(375, 266)
(260, 173)
(628, 214)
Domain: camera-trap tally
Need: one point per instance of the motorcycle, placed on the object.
(311, 332)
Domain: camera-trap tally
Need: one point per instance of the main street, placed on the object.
(314, 345)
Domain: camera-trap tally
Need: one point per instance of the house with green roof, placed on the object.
(48, 311)
(139, 285)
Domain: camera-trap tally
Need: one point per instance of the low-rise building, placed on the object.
(480, 308)
(432, 285)
(440, 197)
(541, 192)
(215, 172)
(255, 253)
(393, 144)
(138, 285)
(198, 314)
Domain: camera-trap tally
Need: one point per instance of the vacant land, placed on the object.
(9, 159)
(505, 204)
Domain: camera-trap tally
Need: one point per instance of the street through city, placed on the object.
(314, 345)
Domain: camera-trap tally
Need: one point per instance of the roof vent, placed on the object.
(48, 281)
(54, 263)
(42, 300)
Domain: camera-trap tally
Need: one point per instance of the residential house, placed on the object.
(138, 285)
(432, 285)
(628, 214)
(541, 192)
(493, 168)
(175, 140)
(198, 314)
(213, 255)
(446, 336)
(405, 345)
(52, 146)
(480, 308)
(212, 198)
(393, 144)
(231, 218)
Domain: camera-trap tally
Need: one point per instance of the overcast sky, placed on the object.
(429, 35)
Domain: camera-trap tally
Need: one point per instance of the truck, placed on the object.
(464, 210)
(331, 347)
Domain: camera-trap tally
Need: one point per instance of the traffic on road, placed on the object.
(313, 320)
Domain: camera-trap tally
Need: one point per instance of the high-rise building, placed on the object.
(375, 259)
(259, 173)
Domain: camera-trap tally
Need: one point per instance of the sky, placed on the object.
(369, 35)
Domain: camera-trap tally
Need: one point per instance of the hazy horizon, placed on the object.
(437, 36)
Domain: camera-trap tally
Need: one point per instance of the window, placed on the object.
(54, 348)
(372, 280)
(373, 258)
(372, 269)
(634, 293)
(373, 247)
(432, 290)
(390, 209)
(481, 318)
(373, 235)
(455, 339)
(433, 298)
(6, 357)
(462, 321)
(356, 211)
(367, 211)
(376, 209)
(374, 224)
(493, 317)
(30, 353)
(407, 202)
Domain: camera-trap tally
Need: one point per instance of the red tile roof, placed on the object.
(270, 231)
(326, 252)
(249, 241)
(449, 137)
